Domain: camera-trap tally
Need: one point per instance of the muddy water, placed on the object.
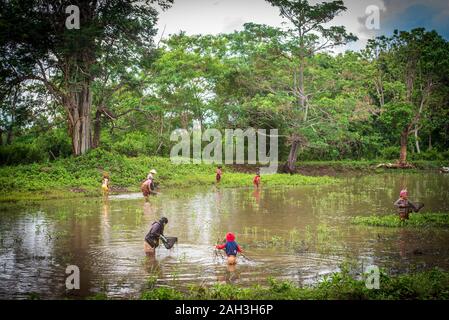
(298, 233)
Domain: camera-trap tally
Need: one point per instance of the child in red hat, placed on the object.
(231, 247)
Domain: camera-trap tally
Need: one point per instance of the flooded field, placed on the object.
(294, 233)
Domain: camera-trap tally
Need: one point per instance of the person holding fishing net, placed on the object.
(405, 206)
(231, 248)
(155, 234)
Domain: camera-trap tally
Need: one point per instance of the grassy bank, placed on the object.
(364, 166)
(433, 284)
(416, 220)
(81, 176)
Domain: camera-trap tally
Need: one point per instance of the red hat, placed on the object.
(403, 193)
(230, 237)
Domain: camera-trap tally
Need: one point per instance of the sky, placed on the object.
(224, 16)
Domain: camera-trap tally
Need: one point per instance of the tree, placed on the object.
(414, 66)
(308, 21)
(19, 105)
(35, 44)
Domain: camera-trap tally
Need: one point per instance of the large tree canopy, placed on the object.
(35, 44)
(109, 81)
(313, 36)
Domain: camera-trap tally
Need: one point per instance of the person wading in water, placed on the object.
(147, 187)
(218, 174)
(256, 180)
(153, 236)
(105, 184)
(231, 248)
(405, 206)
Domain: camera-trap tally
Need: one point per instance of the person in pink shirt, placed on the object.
(218, 175)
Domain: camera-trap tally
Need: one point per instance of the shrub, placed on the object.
(391, 153)
(430, 155)
(55, 143)
(133, 144)
(18, 153)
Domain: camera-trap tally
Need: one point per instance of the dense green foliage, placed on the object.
(416, 220)
(360, 105)
(433, 284)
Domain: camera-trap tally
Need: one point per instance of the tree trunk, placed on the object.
(302, 96)
(1, 137)
(418, 150)
(404, 142)
(430, 142)
(290, 166)
(9, 135)
(97, 130)
(80, 131)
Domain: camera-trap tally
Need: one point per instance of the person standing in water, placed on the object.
(218, 174)
(256, 180)
(105, 184)
(147, 187)
(231, 248)
(153, 236)
(405, 206)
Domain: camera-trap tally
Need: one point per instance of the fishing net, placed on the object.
(169, 242)
(419, 206)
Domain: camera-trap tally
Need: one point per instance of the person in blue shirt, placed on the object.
(231, 248)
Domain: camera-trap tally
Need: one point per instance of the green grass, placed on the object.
(81, 176)
(433, 284)
(416, 220)
(369, 165)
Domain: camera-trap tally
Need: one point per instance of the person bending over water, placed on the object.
(153, 236)
(231, 248)
(405, 206)
(147, 187)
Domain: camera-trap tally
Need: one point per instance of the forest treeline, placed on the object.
(112, 85)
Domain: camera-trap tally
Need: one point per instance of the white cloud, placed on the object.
(223, 16)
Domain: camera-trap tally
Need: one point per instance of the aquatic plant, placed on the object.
(98, 296)
(162, 293)
(151, 281)
(416, 220)
(432, 284)
(34, 296)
